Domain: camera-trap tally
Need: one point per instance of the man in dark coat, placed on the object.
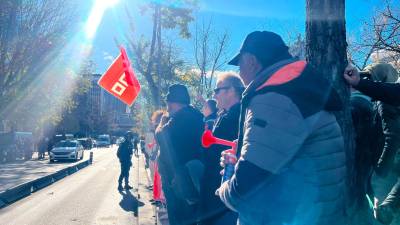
(124, 153)
(367, 150)
(228, 94)
(385, 168)
(179, 136)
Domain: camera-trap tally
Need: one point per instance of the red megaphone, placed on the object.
(208, 139)
(151, 145)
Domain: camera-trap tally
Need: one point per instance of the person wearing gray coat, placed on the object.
(291, 161)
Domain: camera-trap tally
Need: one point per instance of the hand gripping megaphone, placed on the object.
(151, 145)
(208, 139)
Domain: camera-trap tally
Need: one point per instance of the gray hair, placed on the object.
(233, 80)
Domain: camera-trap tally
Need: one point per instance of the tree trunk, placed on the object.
(326, 51)
(160, 76)
(154, 89)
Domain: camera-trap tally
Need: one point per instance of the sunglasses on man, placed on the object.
(217, 90)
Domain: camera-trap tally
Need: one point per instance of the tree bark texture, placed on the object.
(326, 51)
(154, 89)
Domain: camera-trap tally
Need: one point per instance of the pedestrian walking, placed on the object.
(124, 154)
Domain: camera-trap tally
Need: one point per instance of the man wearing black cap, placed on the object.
(291, 165)
(179, 135)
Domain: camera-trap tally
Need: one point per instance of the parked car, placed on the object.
(103, 140)
(67, 150)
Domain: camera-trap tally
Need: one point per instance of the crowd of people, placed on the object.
(289, 157)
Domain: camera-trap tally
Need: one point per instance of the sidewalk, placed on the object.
(148, 212)
(160, 211)
(17, 173)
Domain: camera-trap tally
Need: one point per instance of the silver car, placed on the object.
(67, 150)
(104, 141)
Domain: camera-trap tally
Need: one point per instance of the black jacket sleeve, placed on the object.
(385, 92)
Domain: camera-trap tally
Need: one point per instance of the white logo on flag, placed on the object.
(120, 86)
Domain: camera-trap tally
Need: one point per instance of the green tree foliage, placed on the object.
(31, 35)
(156, 60)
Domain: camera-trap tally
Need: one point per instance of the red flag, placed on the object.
(120, 80)
(129, 75)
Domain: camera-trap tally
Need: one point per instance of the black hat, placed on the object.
(178, 93)
(128, 135)
(267, 46)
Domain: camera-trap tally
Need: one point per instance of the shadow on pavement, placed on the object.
(129, 202)
(15, 173)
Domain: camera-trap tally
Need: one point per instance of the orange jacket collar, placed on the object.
(285, 74)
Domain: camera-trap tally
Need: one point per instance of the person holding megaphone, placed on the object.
(227, 94)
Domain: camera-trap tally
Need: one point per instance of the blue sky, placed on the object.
(239, 17)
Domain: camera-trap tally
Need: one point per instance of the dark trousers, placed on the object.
(179, 211)
(226, 217)
(124, 175)
(393, 198)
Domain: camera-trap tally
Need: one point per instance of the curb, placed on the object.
(14, 194)
(60, 174)
(72, 170)
(83, 165)
(42, 182)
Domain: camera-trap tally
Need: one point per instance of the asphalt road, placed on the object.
(89, 196)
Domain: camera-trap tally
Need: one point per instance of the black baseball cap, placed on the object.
(267, 46)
